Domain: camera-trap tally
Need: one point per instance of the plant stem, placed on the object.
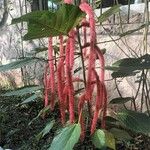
(83, 67)
(82, 58)
(142, 96)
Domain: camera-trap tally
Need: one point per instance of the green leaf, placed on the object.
(134, 30)
(30, 99)
(56, 1)
(108, 13)
(110, 119)
(17, 64)
(129, 66)
(39, 49)
(120, 134)
(121, 74)
(43, 111)
(120, 100)
(103, 139)
(98, 3)
(46, 130)
(23, 90)
(67, 138)
(103, 50)
(46, 23)
(135, 121)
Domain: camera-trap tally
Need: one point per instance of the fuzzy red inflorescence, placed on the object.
(45, 87)
(60, 79)
(92, 57)
(52, 73)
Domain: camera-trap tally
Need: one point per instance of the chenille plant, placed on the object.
(82, 100)
(73, 27)
(59, 80)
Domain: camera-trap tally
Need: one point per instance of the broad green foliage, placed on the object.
(120, 100)
(103, 139)
(67, 138)
(23, 90)
(110, 119)
(129, 66)
(46, 130)
(31, 98)
(120, 134)
(46, 23)
(135, 121)
(17, 64)
(108, 13)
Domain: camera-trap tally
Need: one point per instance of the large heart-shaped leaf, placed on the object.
(135, 121)
(46, 23)
(67, 138)
(129, 66)
(103, 139)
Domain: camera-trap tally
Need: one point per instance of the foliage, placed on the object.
(129, 66)
(135, 121)
(120, 100)
(46, 23)
(14, 119)
(40, 128)
(103, 139)
(108, 13)
(17, 64)
(67, 138)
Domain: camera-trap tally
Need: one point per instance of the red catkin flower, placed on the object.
(60, 80)
(92, 57)
(98, 102)
(52, 73)
(103, 88)
(69, 82)
(46, 87)
(65, 79)
(84, 37)
(72, 47)
(68, 1)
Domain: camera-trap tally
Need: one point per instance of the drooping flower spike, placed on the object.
(61, 80)
(52, 73)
